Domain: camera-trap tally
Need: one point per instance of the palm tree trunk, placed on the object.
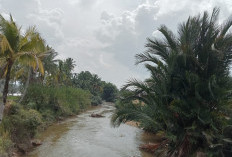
(2, 70)
(5, 90)
(7, 80)
(26, 85)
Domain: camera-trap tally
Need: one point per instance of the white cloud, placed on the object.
(126, 34)
(49, 21)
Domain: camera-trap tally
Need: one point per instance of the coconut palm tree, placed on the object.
(27, 49)
(188, 93)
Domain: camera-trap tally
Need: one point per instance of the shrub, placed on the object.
(61, 101)
(21, 123)
(6, 144)
(96, 100)
(109, 92)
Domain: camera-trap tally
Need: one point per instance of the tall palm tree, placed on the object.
(27, 49)
(188, 94)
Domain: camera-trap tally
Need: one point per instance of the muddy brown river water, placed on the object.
(84, 136)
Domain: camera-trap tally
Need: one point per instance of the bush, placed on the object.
(110, 92)
(60, 101)
(48, 116)
(96, 100)
(21, 122)
(6, 144)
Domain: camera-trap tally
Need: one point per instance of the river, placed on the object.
(84, 136)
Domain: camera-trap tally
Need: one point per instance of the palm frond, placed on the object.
(5, 46)
(171, 42)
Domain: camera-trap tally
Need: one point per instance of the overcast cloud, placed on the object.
(103, 36)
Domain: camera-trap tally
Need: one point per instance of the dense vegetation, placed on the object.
(49, 89)
(187, 97)
(99, 89)
(109, 92)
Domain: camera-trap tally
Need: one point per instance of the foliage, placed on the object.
(21, 123)
(63, 74)
(188, 93)
(62, 101)
(98, 88)
(96, 100)
(87, 81)
(109, 92)
(13, 98)
(6, 144)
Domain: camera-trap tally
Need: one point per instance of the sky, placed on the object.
(103, 36)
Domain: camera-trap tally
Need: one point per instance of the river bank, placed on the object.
(86, 136)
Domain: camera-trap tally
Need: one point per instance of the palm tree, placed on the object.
(50, 62)
(27, 49)
(188, 94)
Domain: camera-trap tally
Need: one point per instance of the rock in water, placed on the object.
(96, 115)
(151, 147)
(36, 142)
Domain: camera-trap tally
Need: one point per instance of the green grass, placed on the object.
(13, 98)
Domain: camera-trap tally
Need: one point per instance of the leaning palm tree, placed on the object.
(27, 49)
(189, 91)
